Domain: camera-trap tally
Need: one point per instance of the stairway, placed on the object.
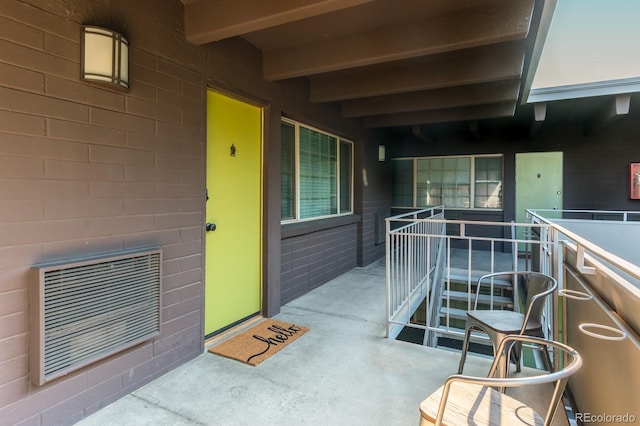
(455, 299)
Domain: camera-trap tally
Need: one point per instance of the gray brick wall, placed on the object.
(311, 257)
(87, 170)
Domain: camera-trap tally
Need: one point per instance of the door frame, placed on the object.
(266, 259)
(516, 178)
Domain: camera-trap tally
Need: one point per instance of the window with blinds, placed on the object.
(316, 173)
(288, 170)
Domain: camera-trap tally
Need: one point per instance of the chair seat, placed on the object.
(502, 321)
(471, 404)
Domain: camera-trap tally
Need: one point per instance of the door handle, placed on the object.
(210, 227)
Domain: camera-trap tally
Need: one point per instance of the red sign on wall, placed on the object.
(634, 182)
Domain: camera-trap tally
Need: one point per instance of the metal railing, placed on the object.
(596, 311)
(413, 245)
(600, 309)
(612, 215)
(432, 263)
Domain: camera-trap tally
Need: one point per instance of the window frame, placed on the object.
(296, 174)
(472, 180)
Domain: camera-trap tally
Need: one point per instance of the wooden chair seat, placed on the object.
(471, 404)
(471, 400)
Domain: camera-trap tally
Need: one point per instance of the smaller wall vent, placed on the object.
(380, 226)
(86, 310)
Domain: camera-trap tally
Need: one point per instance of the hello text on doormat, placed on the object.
(259, 342)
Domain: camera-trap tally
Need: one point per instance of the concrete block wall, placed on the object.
(86, 170)
(311, 257)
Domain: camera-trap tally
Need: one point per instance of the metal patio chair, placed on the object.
(497, 324)
(474, 400)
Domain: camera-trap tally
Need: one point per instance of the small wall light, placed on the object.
(382, 155)
(105, 56)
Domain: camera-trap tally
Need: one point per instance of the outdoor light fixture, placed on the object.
(382, 155)
(105, 57)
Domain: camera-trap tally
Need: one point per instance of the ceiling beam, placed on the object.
(471, 66)
(441, 116)
(615, 108)
(212, 20)
(476, 26)
(449, 97)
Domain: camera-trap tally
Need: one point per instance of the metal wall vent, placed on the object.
(380, 226)
(86, 310)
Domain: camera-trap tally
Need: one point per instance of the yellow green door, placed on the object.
(538, 182)
(234, 212)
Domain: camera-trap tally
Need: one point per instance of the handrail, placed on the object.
(615, 318)
(407, 279)
(410, 249)
(624, 214)
(610, 296)
(582, 243)
(430, 339)
(417, 212)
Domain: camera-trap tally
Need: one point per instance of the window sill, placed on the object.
(290, 230)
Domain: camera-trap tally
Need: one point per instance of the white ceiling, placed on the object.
(590, 41)
(590, 51)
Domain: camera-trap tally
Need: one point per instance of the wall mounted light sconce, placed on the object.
(105, 57)
(382, 154)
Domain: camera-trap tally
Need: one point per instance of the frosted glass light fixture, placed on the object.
(105, 57)
(382, 155)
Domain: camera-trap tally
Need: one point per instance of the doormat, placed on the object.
(259, 342)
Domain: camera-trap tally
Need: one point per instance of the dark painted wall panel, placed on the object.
(310, 259)
(595, 174)
(86, 170)
(374, 194)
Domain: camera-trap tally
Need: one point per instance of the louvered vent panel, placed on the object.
(87, 310)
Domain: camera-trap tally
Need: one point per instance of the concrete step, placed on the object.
(476, 337)
(485, 299)
(454, 313)
(462, 275)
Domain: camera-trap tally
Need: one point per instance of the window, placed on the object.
(461, 182)
(316, 173)
(288, 170)
(443, 181)
(488, 182)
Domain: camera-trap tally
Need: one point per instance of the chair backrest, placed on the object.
(571, 361)
(536, 285)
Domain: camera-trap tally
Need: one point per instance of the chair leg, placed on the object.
(547, 358)
(465, 347)
(517, 356)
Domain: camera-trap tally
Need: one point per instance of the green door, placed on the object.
(538, 183)
(234, 187)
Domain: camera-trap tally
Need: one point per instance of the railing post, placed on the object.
(388, 255)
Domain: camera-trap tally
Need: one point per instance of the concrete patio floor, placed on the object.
(342, 372)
